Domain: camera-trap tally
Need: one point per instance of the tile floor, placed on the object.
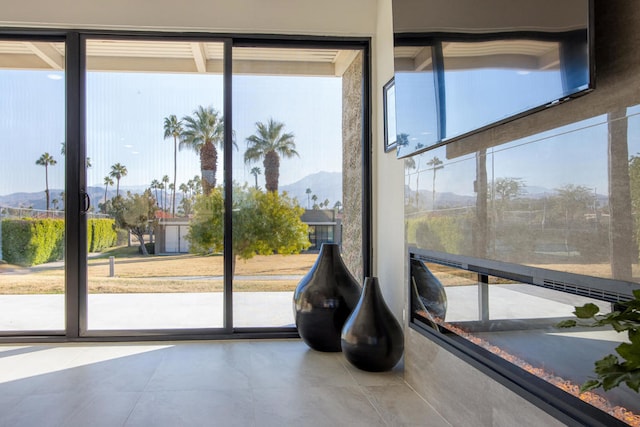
(212, 383)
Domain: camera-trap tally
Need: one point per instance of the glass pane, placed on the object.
(519, 323)
(297, 122)
(155, 140)
(482, 78)
(32, 188)
(416, 107)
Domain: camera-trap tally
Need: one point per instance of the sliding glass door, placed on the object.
(176, 185)
(155, 136)
(291, 110)
(32, 187)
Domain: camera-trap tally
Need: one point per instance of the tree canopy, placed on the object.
(135, 213)
(268, 144)
(263, 224)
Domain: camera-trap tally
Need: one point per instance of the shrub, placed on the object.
(437, 233)
(30, 242)
(101, 234)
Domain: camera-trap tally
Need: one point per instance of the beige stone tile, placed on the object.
(399, 405)
(193, 408)
(314, 406)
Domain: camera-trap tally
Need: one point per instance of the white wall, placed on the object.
(327, 17)
(389, 254)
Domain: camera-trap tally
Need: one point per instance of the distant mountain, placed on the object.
(325, 185)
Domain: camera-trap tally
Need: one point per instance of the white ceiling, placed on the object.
(177, 56)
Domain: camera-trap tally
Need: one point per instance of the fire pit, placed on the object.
(506, 315)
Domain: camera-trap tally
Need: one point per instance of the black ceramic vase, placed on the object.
(372, 338)
(323, 300)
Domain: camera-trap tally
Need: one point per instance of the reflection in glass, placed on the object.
(416, 107)
(516, 321)
(563, 200)
(451, 85)
(485, 82)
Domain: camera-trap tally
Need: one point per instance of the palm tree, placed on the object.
(155, 184)
(435, 164)
(173, 128)
(268, 144)
(173, 193)
(165, 186)
(184, 188)
(118, 171)
(46, 160)
(315, 199)
(308, 193)
(255, 171)
(202, 133)
(107, 182)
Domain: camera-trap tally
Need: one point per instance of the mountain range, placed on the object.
(324, 185)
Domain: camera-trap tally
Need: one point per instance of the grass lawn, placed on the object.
(172, 273)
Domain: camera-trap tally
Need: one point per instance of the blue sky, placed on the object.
(125, 113)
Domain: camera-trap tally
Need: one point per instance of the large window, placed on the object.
(200, 158)
(32, 186)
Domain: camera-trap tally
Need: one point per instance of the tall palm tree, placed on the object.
(107, 182)
(118, 171)
(46, 160)
(155, 184)
(165, 186)
(308, 193)
(435, 164)
(173, 128)
(184, 188)
(202, 132)
(268, 144)
(255, 171)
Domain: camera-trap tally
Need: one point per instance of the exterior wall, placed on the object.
(352, 167)
(462, 394)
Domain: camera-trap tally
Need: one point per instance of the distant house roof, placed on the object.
(319, 216)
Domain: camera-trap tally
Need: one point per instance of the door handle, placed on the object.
(86, 203)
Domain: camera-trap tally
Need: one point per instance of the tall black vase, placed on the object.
(372, 338)
(323, 300)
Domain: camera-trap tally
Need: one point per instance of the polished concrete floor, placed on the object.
(212, 383)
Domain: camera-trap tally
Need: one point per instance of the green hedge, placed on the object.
(101, 234)
(29, 241)
(437, 233)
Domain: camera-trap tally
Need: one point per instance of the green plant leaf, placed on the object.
(567, 323)
(590, 385)
(606, 363)
(587, 311)
(634, 382)
(630, 352)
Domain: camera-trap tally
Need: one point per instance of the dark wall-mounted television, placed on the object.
(468, 65)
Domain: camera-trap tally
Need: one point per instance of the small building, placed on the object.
(171, 236)
(325, 226)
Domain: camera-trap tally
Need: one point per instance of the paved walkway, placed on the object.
(149, 311)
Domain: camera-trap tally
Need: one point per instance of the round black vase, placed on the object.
(323, 300)
(372, 338)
